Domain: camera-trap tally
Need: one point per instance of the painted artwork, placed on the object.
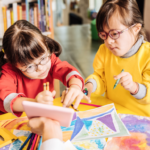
(5, 147)
(97, 144)
(139, 128)
(98, 123)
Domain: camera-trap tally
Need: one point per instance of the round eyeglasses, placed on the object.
(114, 34)
(32, 68)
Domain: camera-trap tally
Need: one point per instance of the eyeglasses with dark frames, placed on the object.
(114, 34)
(32, 68)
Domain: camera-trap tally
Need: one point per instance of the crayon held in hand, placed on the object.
(117, 80)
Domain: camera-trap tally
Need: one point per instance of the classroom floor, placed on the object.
(78, 48)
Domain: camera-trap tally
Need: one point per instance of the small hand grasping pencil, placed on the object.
(71, 104)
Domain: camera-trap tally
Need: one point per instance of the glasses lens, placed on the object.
(114, 34)
(102, 35)
(31, 69)
(44, 60)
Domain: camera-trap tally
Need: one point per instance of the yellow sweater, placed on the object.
(106, 65)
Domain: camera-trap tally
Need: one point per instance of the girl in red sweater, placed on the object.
(27, 60)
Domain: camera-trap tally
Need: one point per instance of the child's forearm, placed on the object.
(76, 82)
(17, 105)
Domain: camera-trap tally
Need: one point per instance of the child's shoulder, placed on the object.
(146, 47)
(9, 68)
(103, 50)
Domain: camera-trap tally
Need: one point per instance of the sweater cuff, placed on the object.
(76, 75)
(52, 144)
(141, 93)
(94, 84)
(8, 103)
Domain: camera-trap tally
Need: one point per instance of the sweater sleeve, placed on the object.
(8, 90)
(63, 71)
(56, 144)
(99, 72)
(146, 82)
(53, 144)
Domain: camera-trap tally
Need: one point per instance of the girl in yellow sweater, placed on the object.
(120, 25)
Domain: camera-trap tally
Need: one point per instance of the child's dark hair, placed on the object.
(127, 9)
(23, 42)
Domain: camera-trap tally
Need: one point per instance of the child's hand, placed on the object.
(127, 82)
(89, 87)
(45, 97)
(73, 93)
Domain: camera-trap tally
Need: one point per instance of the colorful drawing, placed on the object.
(97, 144)
(5, 147)
(139, 128)
(98, 123)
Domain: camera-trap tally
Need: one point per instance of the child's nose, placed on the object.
(39, 67)
(109, 40)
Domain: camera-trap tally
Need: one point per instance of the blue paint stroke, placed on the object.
(134, 124)
(73, 122)
(79, 148)
(16, 145)
(78, 126)
(100, 143)
(71, 128)
(87, 124)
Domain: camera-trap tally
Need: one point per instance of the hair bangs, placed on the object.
(27, 47)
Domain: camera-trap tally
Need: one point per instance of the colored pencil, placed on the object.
(117, 80)
(90, 104)
(32, 137)
(26, 141)
(34, 141)
(37, 141)
(39, 144)
(46, 86)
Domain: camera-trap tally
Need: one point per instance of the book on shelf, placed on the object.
(36, 12)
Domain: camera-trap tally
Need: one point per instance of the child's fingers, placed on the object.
(67, 98)
(63, 96)
(87, 98)
(54, 93)
(78, 99)
(123, 79)
(122, 74)
(72, 98)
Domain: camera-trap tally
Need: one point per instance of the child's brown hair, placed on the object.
(128, 11)
(23, 42)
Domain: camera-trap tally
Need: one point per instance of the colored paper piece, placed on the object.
(74, 116)
(6, 137)
(19, 133)
(139, 128)
(98, 125)
(5, 147)
(107, 120)
(97, 144)
(123, 130)
(15, 145)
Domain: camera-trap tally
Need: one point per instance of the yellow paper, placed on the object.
(7, 137)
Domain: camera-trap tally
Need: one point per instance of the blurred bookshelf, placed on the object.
(37, 12)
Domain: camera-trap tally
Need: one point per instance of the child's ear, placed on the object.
(137, 28)
(5, 56)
